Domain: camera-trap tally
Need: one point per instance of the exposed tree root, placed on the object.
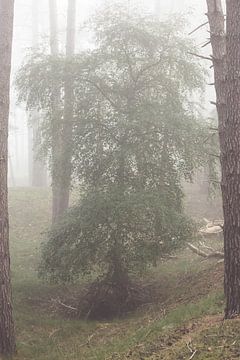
(107, 299)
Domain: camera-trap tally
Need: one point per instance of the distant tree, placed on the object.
(54, 113)
(65, 163)
(137, 133)
(37, 165)
(7, 337)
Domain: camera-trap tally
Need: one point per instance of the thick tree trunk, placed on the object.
(231, 163)
(226, 58)
(7, 337)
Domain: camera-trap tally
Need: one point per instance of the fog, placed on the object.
(119, 116)
(20, 157)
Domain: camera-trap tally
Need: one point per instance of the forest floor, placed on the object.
(184, 322)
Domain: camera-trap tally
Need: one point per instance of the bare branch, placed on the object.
(213, 254)
(201, 56)
(197, 28)
(207, 43)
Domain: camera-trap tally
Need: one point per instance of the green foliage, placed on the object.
(137, 132)
(113, 233)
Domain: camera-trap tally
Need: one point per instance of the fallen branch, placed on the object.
(213, 254)
(64, 305)
(87, 343)
(193, 354)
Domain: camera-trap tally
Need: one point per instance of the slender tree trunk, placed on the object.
(7, 337)
(56, 119)
(38, 170)
(231, 163)
(66, 157)
(53, 27)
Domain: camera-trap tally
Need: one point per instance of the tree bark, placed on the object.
(231, 162)
(226, 59)
(7, 337)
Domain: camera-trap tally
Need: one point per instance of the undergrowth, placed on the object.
(189, 290)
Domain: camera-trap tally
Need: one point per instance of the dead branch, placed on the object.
(207, 43)
(87, 343)
(193, 354)
(197, 28)
(213, 254)
(200, 56)
(64, 305)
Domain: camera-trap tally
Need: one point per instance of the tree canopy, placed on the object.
(137, 133)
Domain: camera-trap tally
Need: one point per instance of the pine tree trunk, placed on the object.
(231, 163)
(62, 133)
(56, 121)
(7, 337)
(37, 168)
(66, 158)
(226, 58)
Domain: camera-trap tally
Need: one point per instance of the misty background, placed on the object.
(32, 30)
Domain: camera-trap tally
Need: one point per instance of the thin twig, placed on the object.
(193, 354)
(64, 305)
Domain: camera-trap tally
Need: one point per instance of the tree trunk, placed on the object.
(37, 167)
(231, 163)
(226, 58)
(62, 133)
(65, 167)
(7, 337)
(56, 120)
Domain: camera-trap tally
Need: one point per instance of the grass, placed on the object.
(189, 292)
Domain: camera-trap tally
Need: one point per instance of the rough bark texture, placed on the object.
(231, 163)
(226, 59)
(7, 338)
